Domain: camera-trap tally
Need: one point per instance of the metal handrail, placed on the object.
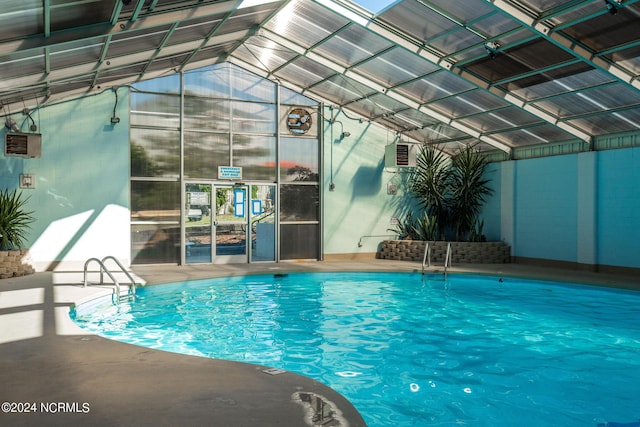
(426, 258)
(132, 288)
(104, 269)
(447, 260)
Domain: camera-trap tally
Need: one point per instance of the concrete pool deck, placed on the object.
(62, 375)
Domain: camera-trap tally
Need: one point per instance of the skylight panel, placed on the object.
(375, 6)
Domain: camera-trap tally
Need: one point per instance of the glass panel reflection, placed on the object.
(250, 87)
(256, 155)
(231, 221)
(155, 243)
(155, 201)
(155, 222)
(254, 118)
(299, 241)
(166, 84)
(299, 159)
(210, 81)
(203, 153)
(155, 110)
(263, 230)
(299, 202)
(206, 114)
(155, 153)
(198, 223)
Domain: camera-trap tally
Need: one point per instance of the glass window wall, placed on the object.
(256, 155)
(155, 110)
(155, 222)
(206, 114)
(299, 159)
(299, 203)
(155, 153)
(225, 117)
(204, 152)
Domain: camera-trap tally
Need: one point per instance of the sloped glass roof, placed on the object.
(499, 75)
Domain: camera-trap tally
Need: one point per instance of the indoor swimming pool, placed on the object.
(407, 349)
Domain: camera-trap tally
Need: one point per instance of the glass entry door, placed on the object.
(262, 211)
(197, 220)
(231, 224)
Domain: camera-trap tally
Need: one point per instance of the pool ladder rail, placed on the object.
(116, 284)
(426, 258)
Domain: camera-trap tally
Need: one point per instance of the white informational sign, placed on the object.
(199, 198)
(229, 172)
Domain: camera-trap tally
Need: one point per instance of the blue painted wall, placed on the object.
(578, 208)
(618, 207)
(545, 208)
(81, 196)
(491, 212)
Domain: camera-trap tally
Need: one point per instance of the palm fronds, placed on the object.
(451, 191)
(14, 220)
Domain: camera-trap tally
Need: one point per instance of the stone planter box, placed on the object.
(462, 252)
(15, 263)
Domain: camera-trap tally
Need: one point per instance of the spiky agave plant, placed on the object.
(431, 185)
(470, 189)
(14, 219)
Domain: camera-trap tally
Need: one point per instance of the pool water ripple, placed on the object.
(408, 350)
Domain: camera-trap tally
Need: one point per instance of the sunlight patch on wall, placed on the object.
(55, 238)
(68, 242)
(107, 234)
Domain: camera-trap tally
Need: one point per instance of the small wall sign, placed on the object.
(229, 172)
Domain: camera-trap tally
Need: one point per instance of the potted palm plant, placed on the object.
(469, 191)
(15, 220)
(450, 192)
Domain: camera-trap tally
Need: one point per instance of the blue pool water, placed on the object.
(407, 350)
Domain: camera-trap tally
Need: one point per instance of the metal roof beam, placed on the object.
(161, 46)
(84, 70)
(561, 9)
(117, 8)
(137, 10)
(239, 42)
(46, 17)
(396, 36)
(85, 32)
(379, 88)
(565, 8)
(535, 72)
(566, 43)
(612, 111)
